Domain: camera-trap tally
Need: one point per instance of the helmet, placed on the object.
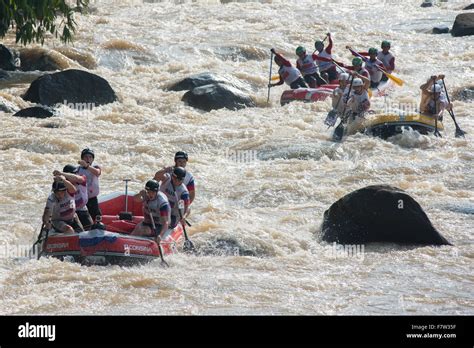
(436, 88)
(152, 185)
(299, 50)
(87, 151)
(373, 50)
(357, 61)
(357, 82)
(179, 172)
(58, 186)
(344, 77)
(385, 43)
(318, 44)
(180, 154)
(69, 168)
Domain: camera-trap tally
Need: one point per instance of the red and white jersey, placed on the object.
(307, 65)
(63, 210)
(174, 194)
(371, 67)
(289, 74)
(359, 102)
(158, 207)
(81, 195)
(388, 60)
(323, 64)
(189, 181)
(92, 181)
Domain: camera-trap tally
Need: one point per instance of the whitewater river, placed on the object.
(270, 206)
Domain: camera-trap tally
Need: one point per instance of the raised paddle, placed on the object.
(158, 241)
(270, 76)
(395, 79)
(339, 131)
(459, 132)
(436, 132)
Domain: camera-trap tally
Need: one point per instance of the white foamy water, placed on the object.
(273, 206)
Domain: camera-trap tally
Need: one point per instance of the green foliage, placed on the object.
(32, 19)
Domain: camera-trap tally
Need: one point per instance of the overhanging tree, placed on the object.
(33, 19)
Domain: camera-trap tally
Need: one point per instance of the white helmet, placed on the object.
(436, 88)
(357, 82)
(344, 77)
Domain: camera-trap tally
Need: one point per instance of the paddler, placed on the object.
(433, 101)
(306, 64)
(359, 102)
(324, 59)
(288, 73)
(371, 66)
(156, 206)
(386, 58)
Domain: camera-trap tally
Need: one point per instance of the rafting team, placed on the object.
(318, 69)
(73, 206)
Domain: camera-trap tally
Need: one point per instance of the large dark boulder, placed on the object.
(35, 111)
(379, 214)
(207, 78)
(70, 86)
(463, 25)
(8, 58)
(218, 96)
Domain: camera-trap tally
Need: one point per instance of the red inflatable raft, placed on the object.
(114, 244)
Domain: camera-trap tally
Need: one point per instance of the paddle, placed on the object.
(436, 132)
(158, 241)
(395, 79)
(188, 245)
(339, 131)
(459, 132)
(38, 240)
(270, 76)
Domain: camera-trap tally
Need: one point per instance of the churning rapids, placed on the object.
(271, 207)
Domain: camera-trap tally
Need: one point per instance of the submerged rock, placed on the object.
(70, 86)
(379, 214)
(463, 25)
(42, 59)
(217, 96)
(440, 29)
(35, 111)
(206, 78)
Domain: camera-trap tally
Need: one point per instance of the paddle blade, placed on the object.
(395, 79)
(338, 132)
(188, 246)
(459, 133)
(331, 118)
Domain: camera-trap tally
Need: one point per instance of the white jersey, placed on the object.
(359, 102)
(158, 207)
(371, 67)
(323, 66)
(337, 94)
(92, 181)
(174, 194)
(63, 210)
(385, 59)
(289, 74)
(189, 181)
(81, 195)
(307, 65)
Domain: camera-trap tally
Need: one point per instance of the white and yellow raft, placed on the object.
(387, 125)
